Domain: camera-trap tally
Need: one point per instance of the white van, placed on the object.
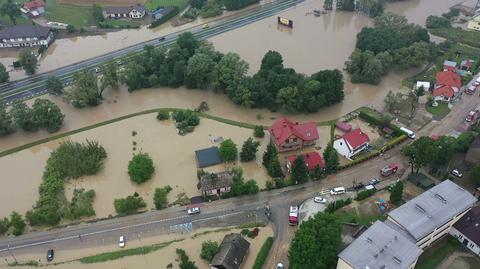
(338, 190)
(409, 133)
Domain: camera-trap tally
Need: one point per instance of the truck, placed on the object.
(293, 215)
(473, 114)
(389, 170)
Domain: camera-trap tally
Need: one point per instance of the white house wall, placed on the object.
(461, 237)
(340, 145)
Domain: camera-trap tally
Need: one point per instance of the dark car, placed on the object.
(161, 38)
(50, 254)
(358, 186)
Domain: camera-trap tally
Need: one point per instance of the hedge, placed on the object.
(379, 122)
(165, 18)
(263, 253)
(332, 207)
(364, 194)
(238, 4)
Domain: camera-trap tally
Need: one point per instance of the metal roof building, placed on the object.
(380, 246)
(207, 157)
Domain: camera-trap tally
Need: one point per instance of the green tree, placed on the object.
(46, 114)
(346, 5)
(10, 9)
(420, 153)
(269, 154)
(187, 42)
(328, 5)
(97, 13)
(445, 146)
(71, 28)
(6, 121)
(316, 243)
(288, 98)
(109, 76)
(140, 168)
(163, 115)
(209, 249)
(299, 170)
(4, 226)
(228, 151)
(81, 205)
(54, 85)
(397, 193)
(475, 174)
(134, 75)
(249, 150)
(229, 71)
(17, 222)
(160, 197)
(392, 101)
(437, 22)
(331, 158)
(129, 205)
(318, 173)
(199, 71)
(28, 61)
(4, 76)
(463, 142)
(258, 131)
(274, 168)
(23, 117)
(364, 67)
(185, 262)
(85, 90)
(272, 60)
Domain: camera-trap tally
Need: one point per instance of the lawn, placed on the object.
(153, 4)
(436, 253)
(78, 16)
(5, 20)
(122, 23)
(471, 38)
(440, 110)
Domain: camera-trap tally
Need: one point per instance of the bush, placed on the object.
(258, 131)
(192, 13)
(211, 9)
(163, 115)
(165, 18)
(238, 4)
(82, 204)
(228, 151)
(437, 22)
(70, 28)
(4, 225)
(263, 253)
(140, 168)
(209, 249)
(364, 194)
(186, 120)
(160, 197)
(185, 262)
(129, 205)
(332, 207)
(17, 222)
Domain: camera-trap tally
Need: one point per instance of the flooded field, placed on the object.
(157, 259)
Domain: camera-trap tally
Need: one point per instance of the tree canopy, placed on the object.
(140, 168)
(228, 151)
(420, 153)
(249, 150)
(9, 8)
(28, 61)
(299, 170)
(4, 76)
(54, 85)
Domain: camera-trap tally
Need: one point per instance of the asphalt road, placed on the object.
(33, 86)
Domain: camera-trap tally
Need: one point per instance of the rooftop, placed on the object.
(312, 160)
(381, 246)
(432, 209)
(231, 252)
(469, 225)
(356, 138)
(283, 129)
(24, 31)
(207, 157)
(125, 9)
(448, 78)
(212, 181)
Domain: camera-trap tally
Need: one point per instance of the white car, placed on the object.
(193, 211)
(280, 266)
(338, 190)
(122, 241)
(456, 173)
(319, 199)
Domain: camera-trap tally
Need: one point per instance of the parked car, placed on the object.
(280, 266)
(457, 173)
(122, 241)
(50, 255)
(338, 190)
(319, 199)
(161, 38)
(193, 211)
(205, 26)
(358, 186)
(373, 181)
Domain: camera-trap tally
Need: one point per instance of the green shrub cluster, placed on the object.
(364, 194)
(263, 253)
(332, 207)
(241, 187)
(186, 121)
(165, 18)
(238, 4)
(160, 197)
(129, 205)
(82, 204)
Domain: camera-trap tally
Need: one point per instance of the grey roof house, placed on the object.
(25, 36)
(216, 183)
(380, 246)
(467, 230)
(231, 253)
(207, 157)
(161, 12)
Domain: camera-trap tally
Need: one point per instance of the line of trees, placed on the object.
(197, 64)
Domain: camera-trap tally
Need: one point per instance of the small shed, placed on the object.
(424, 84)
(216, 183)
(231, 253)
(207, 157)
(161, 12)
(343, 126)
(387, 130)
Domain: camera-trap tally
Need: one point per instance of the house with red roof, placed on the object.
(287, 135)
(351, 143)
(312, 160)
(33, 8)
(447, 85)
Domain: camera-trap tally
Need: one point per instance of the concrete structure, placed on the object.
(467, 230)
(216, 183)
(231, 253)
(133, 12)
(25, 36)
(474, 23)
(380, 246)
(430, 215)
(287, 135)
(447, 85)
(351, 143)
(312, 160)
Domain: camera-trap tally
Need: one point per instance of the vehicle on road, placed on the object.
(471, 90)
(370, 187)
(293, 215)
(471, 116)
(373, 181)
(337, 191)
(161, 38)
(358, 186)
(193, 211)
(389, 170)
(280, 266)
(409, 133)
(319, 199)
(205, 26)
(50, 255)
(122, 241)
(457, 173)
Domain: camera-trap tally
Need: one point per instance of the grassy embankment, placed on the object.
(78, 16)
(153, 4)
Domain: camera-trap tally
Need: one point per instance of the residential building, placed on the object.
(161, 12)
(312, 160)
(25, 36)
(351, 143)
(447, 85)
(207, 157)
(216, 183)
(431, 215)
(231, 253)
(380, 246)
(474, 23)
(467, 230)
(465, 65)
(132, 12)
(287, 135)
(449, 66)
(33, 8)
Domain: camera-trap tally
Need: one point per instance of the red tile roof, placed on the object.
(312, 159)
(34, 4)
(448, 78)
(444, 90)
(356, 138)
(449, 68)
(283, 129)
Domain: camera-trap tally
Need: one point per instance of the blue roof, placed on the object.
(208, 157)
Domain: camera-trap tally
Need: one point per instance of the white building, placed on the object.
(25, 36)
(467, 230)
(133, 12)
(351, 143)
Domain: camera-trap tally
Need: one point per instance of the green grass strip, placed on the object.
(263, 253)
(114, 255)
(433, 256)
